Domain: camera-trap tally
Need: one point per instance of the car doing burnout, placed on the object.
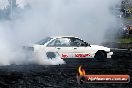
(70, 47)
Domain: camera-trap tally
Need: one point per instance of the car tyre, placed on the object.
(51, 55)
(100, 56)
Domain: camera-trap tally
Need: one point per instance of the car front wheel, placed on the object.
(100, 55)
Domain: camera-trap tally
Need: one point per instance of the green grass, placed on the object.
(129, 18)
(125, 40)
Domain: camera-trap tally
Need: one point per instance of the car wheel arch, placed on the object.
(103, 53)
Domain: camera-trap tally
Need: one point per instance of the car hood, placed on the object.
(100, 47)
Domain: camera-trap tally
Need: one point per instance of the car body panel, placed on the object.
(70, 51)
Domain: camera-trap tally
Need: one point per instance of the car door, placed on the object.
(81, 49)
(61, 45)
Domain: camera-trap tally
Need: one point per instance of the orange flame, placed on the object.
(81, 71)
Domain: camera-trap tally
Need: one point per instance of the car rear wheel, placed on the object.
(100, 55)
(51, 55)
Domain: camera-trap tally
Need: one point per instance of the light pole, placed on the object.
(11, 8)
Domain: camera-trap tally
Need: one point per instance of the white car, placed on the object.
(71, 47)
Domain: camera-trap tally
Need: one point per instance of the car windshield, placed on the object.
(43, 41)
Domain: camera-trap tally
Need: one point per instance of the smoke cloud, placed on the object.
(87, 19)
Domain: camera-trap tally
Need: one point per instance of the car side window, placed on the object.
(77, 42)
(60, 42)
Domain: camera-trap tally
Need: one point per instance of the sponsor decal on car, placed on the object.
(64, 56)
(82, 55)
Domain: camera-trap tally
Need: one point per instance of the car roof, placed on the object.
(63, 37)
